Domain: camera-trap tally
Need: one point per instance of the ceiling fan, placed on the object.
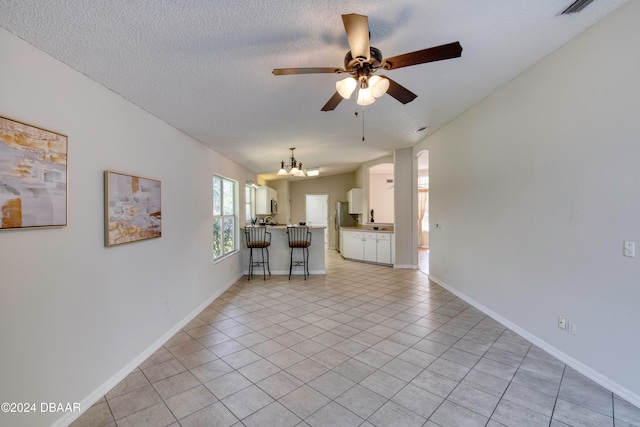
(363, 60)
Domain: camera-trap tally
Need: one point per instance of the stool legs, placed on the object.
(290, 263)
(264, 275)
(268, 268)
(263, 262)
(304, 263)
(307, 262)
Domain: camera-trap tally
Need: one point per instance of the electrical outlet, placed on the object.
(562, 322)
(630, 249)
(167, 307)
(571, 327)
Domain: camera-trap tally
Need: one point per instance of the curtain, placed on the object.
(423, 195)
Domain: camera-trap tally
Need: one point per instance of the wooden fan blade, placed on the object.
(400, 92)
(357, 29)
(316, 70)
(332, 103)
(437, 53)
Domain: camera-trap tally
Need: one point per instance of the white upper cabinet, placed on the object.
(354, 197)
(264, 197)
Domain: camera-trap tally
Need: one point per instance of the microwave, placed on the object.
(274, 206)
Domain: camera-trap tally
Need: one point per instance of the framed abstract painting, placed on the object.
(132, 208)
(33, 176)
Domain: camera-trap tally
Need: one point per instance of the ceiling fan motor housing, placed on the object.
(352, 64)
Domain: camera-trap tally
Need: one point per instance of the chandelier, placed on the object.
(294, 168)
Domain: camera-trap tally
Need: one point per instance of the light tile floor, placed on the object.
(364, 345)
(423, 260)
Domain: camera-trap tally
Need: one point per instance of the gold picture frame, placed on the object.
(132, 208)
(33, 176)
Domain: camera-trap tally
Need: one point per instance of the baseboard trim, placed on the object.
(407, 266)
(88, 401)
(585, 370)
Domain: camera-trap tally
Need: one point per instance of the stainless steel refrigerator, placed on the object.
(343, 219)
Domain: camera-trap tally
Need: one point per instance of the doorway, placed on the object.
(317, 207)
(423, 211)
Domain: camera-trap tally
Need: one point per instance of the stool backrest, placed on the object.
(299, 237)
(257, 237)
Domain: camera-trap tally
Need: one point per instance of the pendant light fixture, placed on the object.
(294, 168)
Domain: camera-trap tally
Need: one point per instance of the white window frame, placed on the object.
(225, 214)
(248, 203)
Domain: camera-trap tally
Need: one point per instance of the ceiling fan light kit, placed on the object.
(370, 88)
(378, 85)
(365, 97)
(363, 60)
(346, 87)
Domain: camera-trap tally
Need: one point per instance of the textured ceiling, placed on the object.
(204, 66)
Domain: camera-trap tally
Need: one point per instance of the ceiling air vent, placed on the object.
(576, 7)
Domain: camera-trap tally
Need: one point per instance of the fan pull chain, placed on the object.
(356, 114)
(363, 124)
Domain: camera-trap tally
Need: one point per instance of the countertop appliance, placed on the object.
(343, 219)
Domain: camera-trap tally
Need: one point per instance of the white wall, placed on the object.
(74, 315)
(537, 187)
(362, 181)
(335, 186)
(381, 197)
(406, 209)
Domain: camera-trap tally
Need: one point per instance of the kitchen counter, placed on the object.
(284, 227)
(280, 253)
(367, 228)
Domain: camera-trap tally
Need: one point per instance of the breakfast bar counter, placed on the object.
(280, 253)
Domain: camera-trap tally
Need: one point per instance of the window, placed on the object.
(224, 216)
(248, 190)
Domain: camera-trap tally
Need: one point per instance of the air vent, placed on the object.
(576, 7)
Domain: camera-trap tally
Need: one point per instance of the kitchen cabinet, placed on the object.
(370, 243)
(383, 248)
(367, 246)
(352, 246)
(264, 196)
(355, 199)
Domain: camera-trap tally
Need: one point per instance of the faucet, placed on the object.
(268, 220)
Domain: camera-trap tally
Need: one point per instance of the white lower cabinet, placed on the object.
(383, 248)
(369, 247)
(352, 246)
(370, 243)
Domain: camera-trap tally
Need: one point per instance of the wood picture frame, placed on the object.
(33, 176)
(132, 208)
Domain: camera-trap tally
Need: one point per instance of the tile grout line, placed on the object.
(555, 402)
(378, 297)
(511, 381)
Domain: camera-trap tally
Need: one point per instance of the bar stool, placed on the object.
(299, 238)
(258, 238)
